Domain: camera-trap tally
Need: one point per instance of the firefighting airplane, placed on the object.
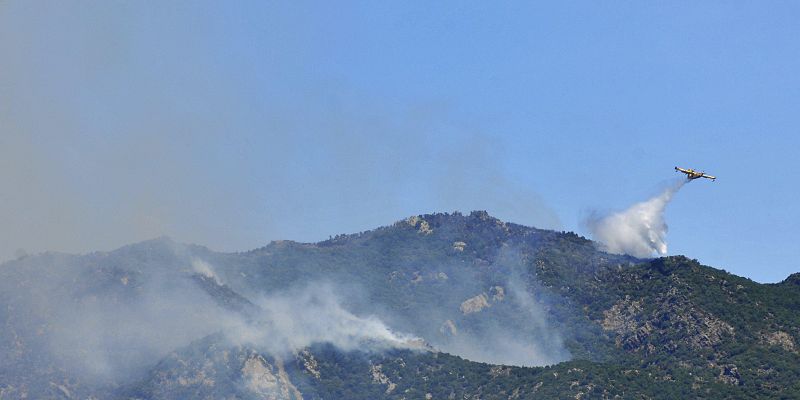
(692, 174)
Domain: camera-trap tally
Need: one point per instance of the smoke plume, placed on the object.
(303, 316)
(640, 230)
(109, 323)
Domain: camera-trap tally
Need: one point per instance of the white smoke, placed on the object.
(109, 325)
(640, 230)
(313, 314)
(205, 269)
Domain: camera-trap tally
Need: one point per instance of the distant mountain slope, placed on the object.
(347, 318)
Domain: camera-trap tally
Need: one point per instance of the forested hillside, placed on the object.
(442, 306)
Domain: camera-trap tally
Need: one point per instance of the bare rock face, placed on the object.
(779, 338)
(310, 363)
(267, 382)
(258, 376)
(634, 324)
(380, 378)
(729, 374)
(475, 304)
(448, 328)
(621, 317)
(423, 227)
(499, 370)
(624, 318)
(484, 300)
(498, 293)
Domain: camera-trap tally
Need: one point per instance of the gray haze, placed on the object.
(106, 318)
(123, 122)
(522, 337)
(120, 122)
(109, 325)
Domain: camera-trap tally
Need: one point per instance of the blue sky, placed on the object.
(233, 124)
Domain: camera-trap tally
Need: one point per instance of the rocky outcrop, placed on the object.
(310, 363)
(624, 319)
(498, 293)
(448, 328)
(672, 315)
(380, 378)
(423, 227)
(267, 382)
(474, 304)
(729, 374)
(484, 300)
(779, 338)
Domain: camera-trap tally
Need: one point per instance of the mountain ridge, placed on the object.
(586, 322)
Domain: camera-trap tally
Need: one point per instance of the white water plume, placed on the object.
(640, 230)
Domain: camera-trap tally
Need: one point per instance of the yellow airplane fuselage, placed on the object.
(692, 174)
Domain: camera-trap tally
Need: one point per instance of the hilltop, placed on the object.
(446, 305)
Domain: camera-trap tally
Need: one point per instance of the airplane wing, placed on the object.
(713, 178)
